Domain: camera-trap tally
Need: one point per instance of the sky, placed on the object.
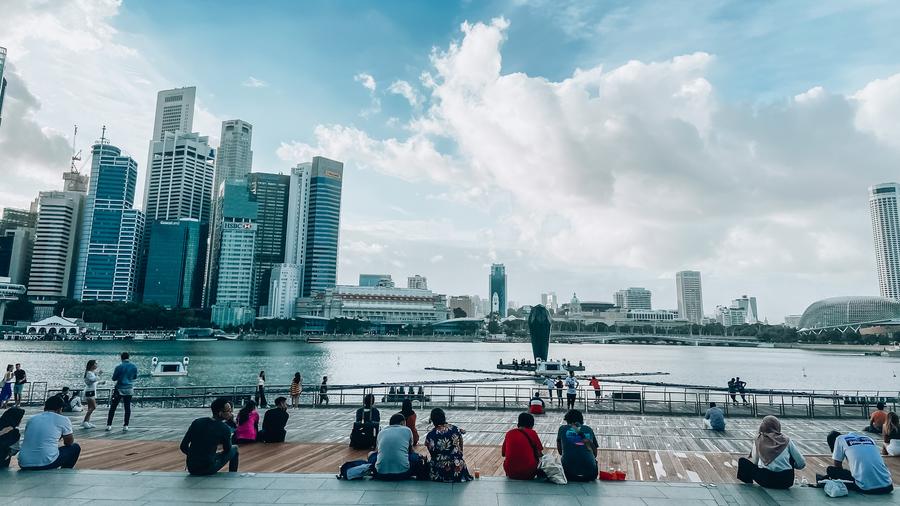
(588, 146)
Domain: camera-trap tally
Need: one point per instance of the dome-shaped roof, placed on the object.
(845, 310)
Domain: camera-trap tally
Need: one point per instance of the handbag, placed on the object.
(552, 467)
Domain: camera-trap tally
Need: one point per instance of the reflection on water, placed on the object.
(238, 362)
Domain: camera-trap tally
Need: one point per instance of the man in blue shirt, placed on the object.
(124, 376)
(867, 470)
(714, 418)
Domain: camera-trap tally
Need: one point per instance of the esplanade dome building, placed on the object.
(839, 311)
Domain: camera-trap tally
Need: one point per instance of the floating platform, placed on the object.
(531, 366)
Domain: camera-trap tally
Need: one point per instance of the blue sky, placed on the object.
(677, 145)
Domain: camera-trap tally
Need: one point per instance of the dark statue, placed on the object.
(539, 328)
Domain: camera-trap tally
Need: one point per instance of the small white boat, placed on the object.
(169, 368)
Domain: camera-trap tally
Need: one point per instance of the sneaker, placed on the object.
(85, 425)
(124, 428)
(108, 428)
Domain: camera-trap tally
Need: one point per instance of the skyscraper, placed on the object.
(233, 280)
(174, 111)
(174, 266)
(633, 298)
(690, 296)
(417, 281)
(284, 286)
(2, 80)
(17, 230)
(179, 178)
(323, 221)
(271, 192)
(748, 305)
(550, 301)
(55, 244)
(234, 158)
(112, 230)
(497, 289)
(883, 209)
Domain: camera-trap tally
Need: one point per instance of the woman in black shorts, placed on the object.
(91, 375)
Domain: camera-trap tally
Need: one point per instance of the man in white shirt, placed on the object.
(867, 470)
(40, 449)
(395, 458)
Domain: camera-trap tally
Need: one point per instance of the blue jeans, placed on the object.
(68, 456)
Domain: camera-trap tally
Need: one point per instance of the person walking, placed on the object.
(124, 375)
(91, 376)
(261, 390)
(323, 391)
(296, 389)
(19, 385)
(6, 391)
(571, 390)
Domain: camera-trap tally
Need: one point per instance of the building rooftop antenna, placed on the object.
(76, 157)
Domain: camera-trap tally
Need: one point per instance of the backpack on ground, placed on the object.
(354, 470)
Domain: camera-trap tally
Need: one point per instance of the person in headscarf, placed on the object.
(9, 434)
(772, 459)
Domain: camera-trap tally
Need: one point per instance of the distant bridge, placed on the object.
(589, 337)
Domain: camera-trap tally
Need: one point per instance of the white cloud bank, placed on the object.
(642, 166)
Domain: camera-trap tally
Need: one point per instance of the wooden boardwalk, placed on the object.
(640, 465)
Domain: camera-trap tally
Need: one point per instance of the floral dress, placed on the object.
(444, 443)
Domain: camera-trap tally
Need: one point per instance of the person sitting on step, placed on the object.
(773, 458)
(867, 471)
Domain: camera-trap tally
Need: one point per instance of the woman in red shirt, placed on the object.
(410, 415)
(522, 450)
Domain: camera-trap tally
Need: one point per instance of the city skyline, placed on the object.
(705, 179)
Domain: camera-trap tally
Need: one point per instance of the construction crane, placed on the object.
(76, 157)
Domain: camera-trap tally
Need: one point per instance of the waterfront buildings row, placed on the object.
(211, 233)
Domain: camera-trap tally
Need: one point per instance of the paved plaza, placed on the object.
(99, 488)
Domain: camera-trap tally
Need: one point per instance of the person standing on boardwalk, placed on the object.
(19, 386)
(323, 391)
(559, 389)
(732, 390)
(91, 376)
(296, 389)
(741, 386)
(550, 385)
(595, 384)
(205, 436)
(571, 390)
(6, 392)
(124, 376)
(261, 390)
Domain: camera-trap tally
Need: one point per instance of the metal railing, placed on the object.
(624, 399)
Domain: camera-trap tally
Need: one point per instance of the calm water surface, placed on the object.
(238, 362)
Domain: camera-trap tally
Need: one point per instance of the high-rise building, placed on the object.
(748, 305)
(550, 301)
(232, 283)
(792, 320)
(17, 218)
(376, 280)
(283, 290)
(179, 178)
(2, 81)
(174, 111)
(690, 296)
(271, 192)
(51, 277)
(633, 298)
(497, 289)
(297, 218)
(323, 221)
(112, 230)
(234, 158)
(175, 263)
(883, 209)
(17, 228)
(417, 281)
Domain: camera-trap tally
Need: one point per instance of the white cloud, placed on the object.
(252, 82)
(405, 90)
(366, 80)
(436, 258)
(643, 167)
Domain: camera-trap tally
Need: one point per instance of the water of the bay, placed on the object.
(231, 363)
